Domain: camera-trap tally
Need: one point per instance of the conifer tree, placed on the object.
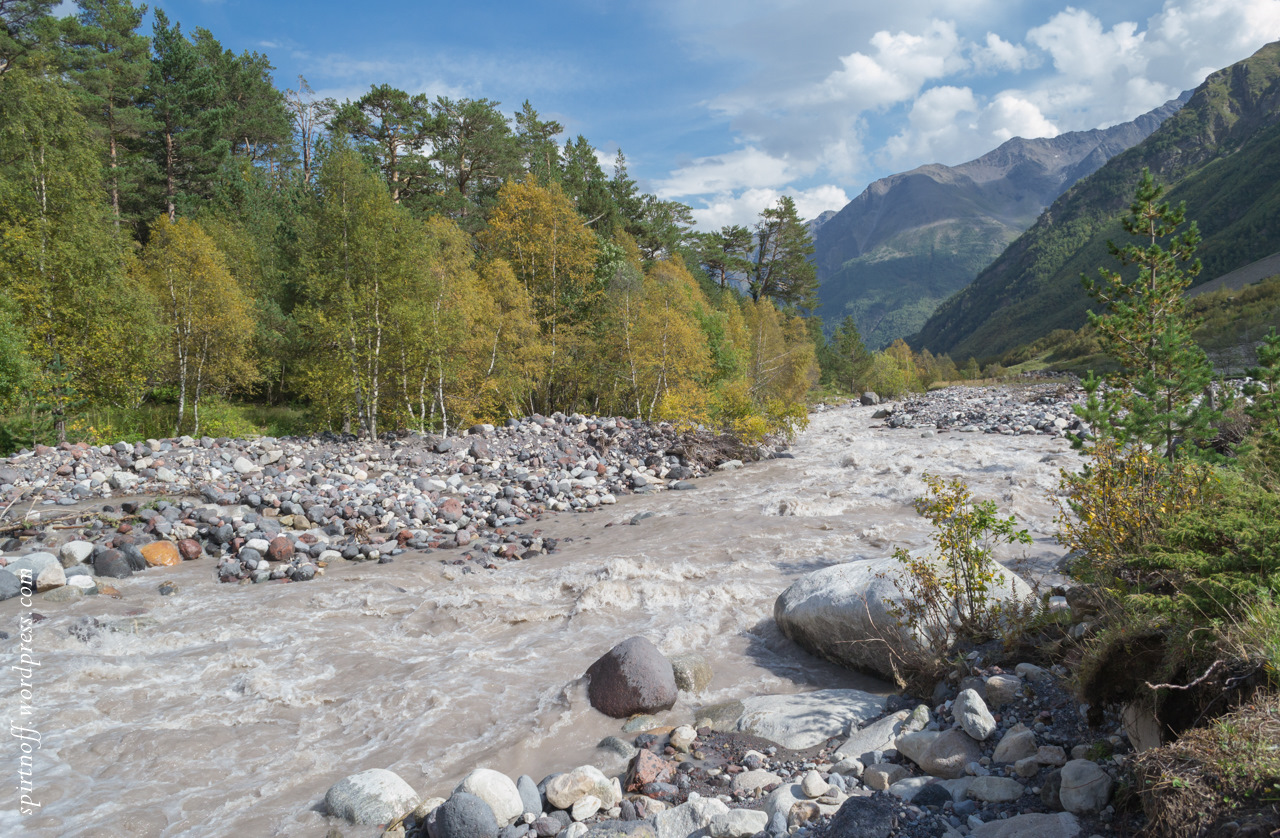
(108, 61)
(782, 269)
(1154, 398)
(185, 98)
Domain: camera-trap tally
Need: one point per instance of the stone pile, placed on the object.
(275, 509)
(1011, 410)
(1000, 753)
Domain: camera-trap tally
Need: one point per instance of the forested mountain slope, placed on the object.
(1220, 153)
(911, 240)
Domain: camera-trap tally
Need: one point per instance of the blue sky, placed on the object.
(727, 105)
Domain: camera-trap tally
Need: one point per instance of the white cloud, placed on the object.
(1001, 56)
(747, 168)
(1010, 115)
(950, 125)
(744, 207)
(936, 82)
(901, 64)
(1081, 49)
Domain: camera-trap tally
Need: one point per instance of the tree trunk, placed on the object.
(170, 178)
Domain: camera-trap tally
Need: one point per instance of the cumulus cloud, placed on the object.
(747, 168)
(901, 63)
(939, 83)
(949, 125)
(1000, 56)
(744, 207)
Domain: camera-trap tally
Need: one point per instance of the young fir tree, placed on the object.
(1154, 398)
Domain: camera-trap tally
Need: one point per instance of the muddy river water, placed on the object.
(230, 710)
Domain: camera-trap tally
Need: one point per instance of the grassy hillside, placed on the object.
(1220, 153)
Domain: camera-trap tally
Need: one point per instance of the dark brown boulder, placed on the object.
(633, 677)
(280, 549)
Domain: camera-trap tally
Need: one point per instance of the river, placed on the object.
(230, 710)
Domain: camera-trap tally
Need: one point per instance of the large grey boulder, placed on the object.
(1086, 788)
(10, 585)
(844, 613)
(693, 673)
(463, 815)
(797, 721)
(690, 819)
(372, 797)
(632, 677)
(942, 754)
(972, 714)
(877, 736)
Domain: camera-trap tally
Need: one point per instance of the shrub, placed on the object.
(953, 588)
(1118, 506)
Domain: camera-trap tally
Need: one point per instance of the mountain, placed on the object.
(911, 240)
(1220, 153)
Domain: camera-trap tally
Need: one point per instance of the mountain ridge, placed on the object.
(1220, 153)
(911, 239)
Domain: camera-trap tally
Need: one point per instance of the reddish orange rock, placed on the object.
(159, 553)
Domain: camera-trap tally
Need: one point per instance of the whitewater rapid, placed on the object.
(230, 710)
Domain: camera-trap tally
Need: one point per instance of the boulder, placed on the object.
(877, 736)
(647, 767)
(563, 790)
(992, 789)
(690, 819)
(795, 721)
(497, 790)
(738, 823)
(843, 613)
(864, 817)
(10, 585)
(1141, 726)
(1017, 743)
(1061, 825)
(869, 399)
(75, 552)
(530, 799)
(50, 577)
(161, 554)
(751, 781)
(370, 798)
(880, 776)
(693, 673)
(633, 677)
(111, 563)
(463, 815)
(940, 754)
(1086, 788)
(973, 716)
(1002, 689)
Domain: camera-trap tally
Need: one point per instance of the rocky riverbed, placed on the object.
(274, 510)
(487, 651)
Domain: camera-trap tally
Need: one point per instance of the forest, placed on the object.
(180, 237)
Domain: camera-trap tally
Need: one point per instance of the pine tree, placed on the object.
(782, 268)
(1154, 398)
(394, 126)
(185, 98)
(108, 62)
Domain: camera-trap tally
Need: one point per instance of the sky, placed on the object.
(725, 106)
